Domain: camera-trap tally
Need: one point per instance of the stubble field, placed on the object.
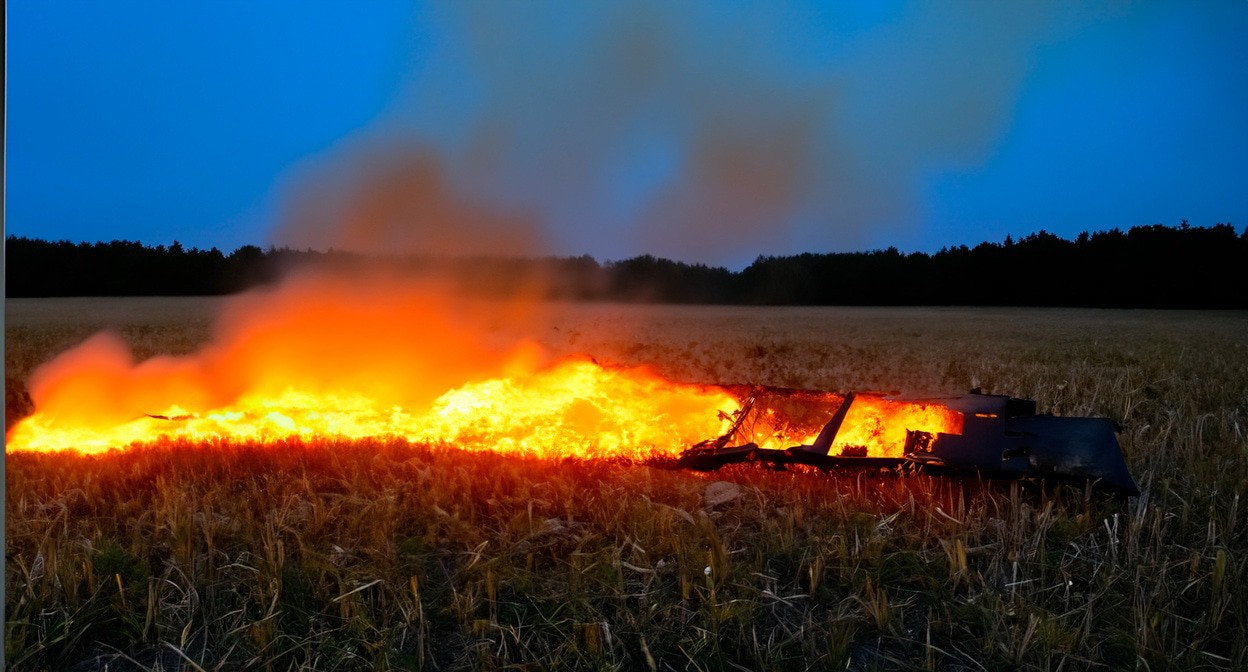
(381, 554)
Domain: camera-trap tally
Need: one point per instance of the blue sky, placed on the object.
(708, 132)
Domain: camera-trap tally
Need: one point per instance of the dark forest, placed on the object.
(1152, 266)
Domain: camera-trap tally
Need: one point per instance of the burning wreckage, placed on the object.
(587, 410)
(994, 436)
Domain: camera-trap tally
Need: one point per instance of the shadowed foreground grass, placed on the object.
(381, 554)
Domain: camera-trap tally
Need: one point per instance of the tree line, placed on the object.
(1152, 266)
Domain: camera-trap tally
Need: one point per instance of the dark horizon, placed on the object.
(269, 248)
(1151, 266)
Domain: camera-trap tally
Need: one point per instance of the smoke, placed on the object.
(399, 200)
(699, 132)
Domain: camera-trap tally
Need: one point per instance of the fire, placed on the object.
(576, 408)
(318, 358)
(880, 425)
(315, 358)
(874, 426)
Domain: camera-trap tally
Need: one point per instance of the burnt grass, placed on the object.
(380, 554)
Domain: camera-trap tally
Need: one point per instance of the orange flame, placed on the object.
(317, 358)
(874, 423)
(321, 358)
(880, 425)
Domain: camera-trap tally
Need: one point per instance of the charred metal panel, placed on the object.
(1033, 446)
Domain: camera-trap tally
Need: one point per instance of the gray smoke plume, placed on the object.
(697, 132)
(399, 199)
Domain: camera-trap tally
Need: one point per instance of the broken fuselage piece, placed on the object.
(994, 436)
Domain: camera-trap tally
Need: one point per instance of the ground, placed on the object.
(335, 555)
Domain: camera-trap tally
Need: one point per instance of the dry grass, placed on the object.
(379, 554)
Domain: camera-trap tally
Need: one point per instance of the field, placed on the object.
(380, 554)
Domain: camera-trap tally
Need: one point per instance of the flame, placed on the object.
(316, 358)
(319, 358)
(879, 425)
(874, 423)
(576, 408)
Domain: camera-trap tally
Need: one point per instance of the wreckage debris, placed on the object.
(995, 436)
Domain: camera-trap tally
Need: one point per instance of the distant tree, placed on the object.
(1151, 266)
